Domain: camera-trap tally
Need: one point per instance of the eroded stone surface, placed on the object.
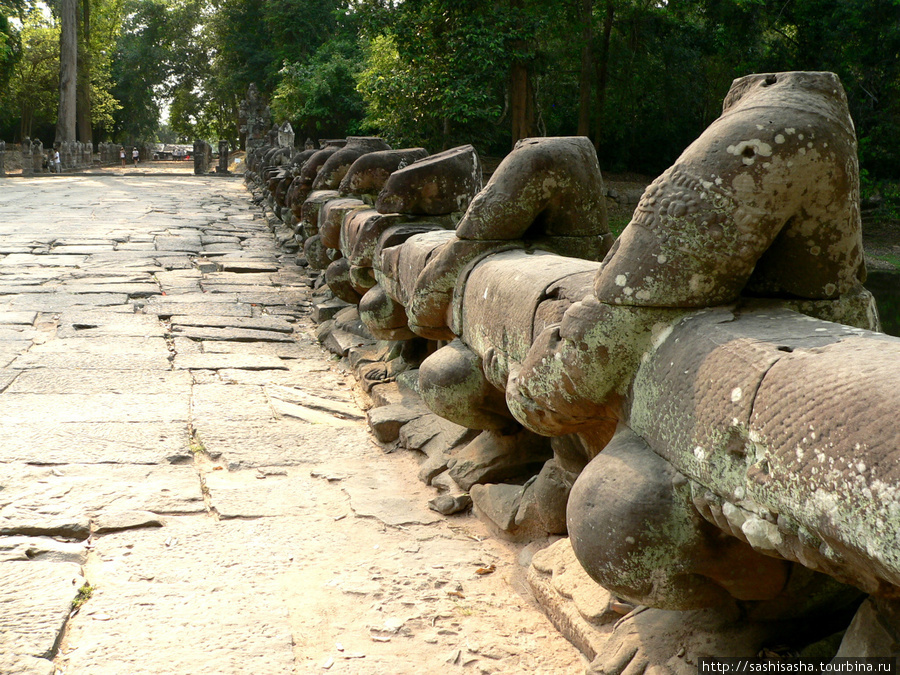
(35, 605)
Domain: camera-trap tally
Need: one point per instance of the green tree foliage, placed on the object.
(10, 49)
(437, 70)
(319, 97)
(10, 43)
(158, 54)
(274, 44)
(106, 19)
(643, 77)
(139, 69)
(34, 86)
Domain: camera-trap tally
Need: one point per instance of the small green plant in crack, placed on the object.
(197, 447)
(84, 594)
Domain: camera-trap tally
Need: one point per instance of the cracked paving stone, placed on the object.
(34, 607)
(276, 443)
(231, 334)
(227, 361)
(373, 495)
(268, 323)
(61, 500)
(249, 494)
(96, 443)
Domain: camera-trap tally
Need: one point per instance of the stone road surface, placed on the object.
(182, 464)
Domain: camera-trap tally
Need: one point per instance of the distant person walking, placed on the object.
(136, 156)
(122, 155)
(55, 165)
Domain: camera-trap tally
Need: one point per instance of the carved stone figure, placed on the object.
(369, 175)
(202, 157)
(222, 167)
(439, 184)
(336, 166)
(255, 118)
(285, 135)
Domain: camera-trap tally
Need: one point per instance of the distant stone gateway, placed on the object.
(704, 406)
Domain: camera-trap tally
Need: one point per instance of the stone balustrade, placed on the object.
(704, 406)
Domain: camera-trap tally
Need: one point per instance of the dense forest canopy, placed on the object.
(641, 78)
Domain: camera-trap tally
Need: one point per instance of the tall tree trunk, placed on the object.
(521, 93)
(26, 124)
(603, 68)
(68, 66)
(587, 56)
(83, 110)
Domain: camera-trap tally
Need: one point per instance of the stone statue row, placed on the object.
(73, 156)
(704, 405)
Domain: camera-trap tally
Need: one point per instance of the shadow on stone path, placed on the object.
(180, 461)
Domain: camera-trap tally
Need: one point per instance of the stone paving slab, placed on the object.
(8, 333)
(95, 443)
(223, 308)
(91, 361)
(133, 290)
(52, 409)
(283, 350)
(30, 259)
(202, 298)
(103, 345)
(286, 297)
(58, 301)
(288, 442)
(7, 377)
(34, 607)
(130, 628)
(6, 290)
(62, 500)
(228, 361)
(134, 383)
(231, 334)
(230, 402)
(256, 323)
(246, 494)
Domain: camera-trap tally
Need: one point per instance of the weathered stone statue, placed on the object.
(222, 167)
(37, 156)
(286, 135)
(27, 160)
(202, 157)
(255, 118)
(2, 158)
